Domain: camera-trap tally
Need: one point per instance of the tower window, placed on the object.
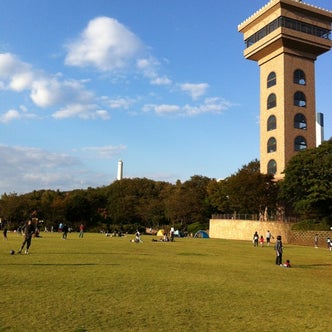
(300, 121)
(271, 145)
(271, 101)
(299, 77)
(300, 99)
(300, 143)
(272, 167)
(271, 123)
(271, 79)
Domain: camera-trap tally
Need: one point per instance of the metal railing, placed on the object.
(254, 217)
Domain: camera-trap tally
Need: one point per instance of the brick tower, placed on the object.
(285, 37)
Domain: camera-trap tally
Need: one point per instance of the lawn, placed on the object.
(100, 283)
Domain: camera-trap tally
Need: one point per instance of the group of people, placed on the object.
(166, 238)
(29, 230)
(278, 247)
(260, 239)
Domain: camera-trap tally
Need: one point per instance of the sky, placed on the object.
(161, 85)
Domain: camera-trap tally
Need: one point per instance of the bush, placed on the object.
(312, 225)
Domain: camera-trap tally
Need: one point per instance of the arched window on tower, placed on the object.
(272, 167)
(300, 121)
(271, 101)
(299, 77)
(271, 79)
(300, 99)
(300, 143)
(271, 145)
(271, 123)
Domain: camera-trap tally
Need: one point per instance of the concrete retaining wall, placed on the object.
(244, 230)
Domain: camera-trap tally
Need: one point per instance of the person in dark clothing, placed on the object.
(278, 249)
(5, 233)
(255, 239)
(29, 230)
(64, 231)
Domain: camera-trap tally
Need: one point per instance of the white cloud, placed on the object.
(10, 65)
(120, 102)
(50, 91)
(23, 168)
(13, 114)
(47, 91)
(9, 116)
(149, 68)
(83, 111)
(102, 114)
(21, 81)
(162, 109)
(210, 105)
(105, 44)
(162, 80)
(106, 152)
(16, 75)
(194, 90)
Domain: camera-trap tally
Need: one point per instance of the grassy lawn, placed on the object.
(110, 284)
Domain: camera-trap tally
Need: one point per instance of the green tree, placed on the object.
(188, 202)
(307, 186)
(135, 201)
(77, 208)
(10, 210)
(245, 192)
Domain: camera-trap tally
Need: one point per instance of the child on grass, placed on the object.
(287, 264)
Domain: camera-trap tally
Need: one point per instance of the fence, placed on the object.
(255, 217)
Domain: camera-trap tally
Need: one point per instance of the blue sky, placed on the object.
(162, 85)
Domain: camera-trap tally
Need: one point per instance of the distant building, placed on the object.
(120, 170)
(285, 37)
(319, 128)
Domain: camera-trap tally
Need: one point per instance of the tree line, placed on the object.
(139, 203)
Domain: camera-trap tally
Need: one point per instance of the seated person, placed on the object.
(287, 264)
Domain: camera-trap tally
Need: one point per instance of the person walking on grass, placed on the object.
(268, 238)
(64, 232)
(29, 230)
(316, 241)
(255, 239)
(5, 230)
(278, 247)
(81, 230)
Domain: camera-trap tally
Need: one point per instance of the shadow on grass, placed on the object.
(310, 266)
(59, 264)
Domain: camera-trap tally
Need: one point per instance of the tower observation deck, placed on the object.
(285, 37)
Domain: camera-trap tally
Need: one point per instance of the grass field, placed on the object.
(109, 284)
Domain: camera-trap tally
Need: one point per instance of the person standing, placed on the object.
(268, 237)
(278, 247)
(81, 230)
(316, 241)
(255, 239)
(171, 234)
(5, 233)
(64, 232)
(29, 230)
